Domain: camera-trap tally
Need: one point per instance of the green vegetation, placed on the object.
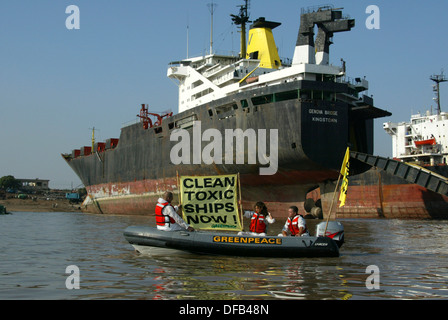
(9, 182)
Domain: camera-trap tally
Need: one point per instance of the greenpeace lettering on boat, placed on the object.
(247, 240)
(210, 202)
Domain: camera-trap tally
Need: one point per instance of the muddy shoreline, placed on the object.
(38, 205)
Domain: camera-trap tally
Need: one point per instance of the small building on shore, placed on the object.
(34, 184)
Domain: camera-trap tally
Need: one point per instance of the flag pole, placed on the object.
(332, 202)
(178, 189)
(241, 204)
(344, 172)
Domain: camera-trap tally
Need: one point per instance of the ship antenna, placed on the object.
(241, 20)
(211, 7)
(438, 78)
(188, 34)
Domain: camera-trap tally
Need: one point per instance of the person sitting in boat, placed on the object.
(167, 218)
(295, 224)
(258, 220)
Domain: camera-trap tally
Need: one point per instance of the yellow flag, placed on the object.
(344, 172)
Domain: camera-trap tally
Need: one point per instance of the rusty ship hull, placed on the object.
(129, 178)
(377, 194)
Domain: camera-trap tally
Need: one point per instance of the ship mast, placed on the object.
(241, 20)
(93, 139)
(211, 7)
(438, 78)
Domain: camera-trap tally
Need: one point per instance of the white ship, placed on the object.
(422, 144)
(423, 140)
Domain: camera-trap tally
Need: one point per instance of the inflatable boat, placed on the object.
(213, 243)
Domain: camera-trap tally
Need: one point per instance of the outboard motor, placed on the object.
(335, 231)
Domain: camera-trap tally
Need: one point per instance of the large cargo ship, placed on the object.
(283, 126)
(422, 142)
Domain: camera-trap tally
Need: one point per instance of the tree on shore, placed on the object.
(9, 182)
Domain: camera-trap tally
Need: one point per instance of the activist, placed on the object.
(295, 224)
(258, 219)
(167, 218)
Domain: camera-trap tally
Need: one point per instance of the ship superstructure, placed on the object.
(206, 78)
(424, 139)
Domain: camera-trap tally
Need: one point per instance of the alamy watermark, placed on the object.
(373, 21)
(373, 280)
(234, 139)
(73, 20)
(73, 280)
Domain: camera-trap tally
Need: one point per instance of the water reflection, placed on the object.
(37, 247)
(242, 278)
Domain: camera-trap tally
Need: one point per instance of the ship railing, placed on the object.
(130, 122)
(316, 8)
(323, 7)
(348, 80)
(286, 62)
(203, 54)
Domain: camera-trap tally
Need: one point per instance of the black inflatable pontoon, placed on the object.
(141, 238)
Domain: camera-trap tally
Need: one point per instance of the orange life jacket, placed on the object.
(257, 223)
(163, 219)
(294, 225)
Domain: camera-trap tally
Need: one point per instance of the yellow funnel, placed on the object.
(261, 44)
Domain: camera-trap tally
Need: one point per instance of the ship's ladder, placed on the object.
(409, 172)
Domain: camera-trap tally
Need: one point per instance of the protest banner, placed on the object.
(210, 202)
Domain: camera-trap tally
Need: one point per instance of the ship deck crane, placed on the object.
(147, 121)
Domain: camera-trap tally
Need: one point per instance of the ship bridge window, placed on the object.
(196, 84)
(186, 122)
(226, 108)
(244, 103)
(305, 94)
(263, 99)
(328, 96)
(317, 95)
(287, 95)
(226, 111)
(201, 94)
(158, 130)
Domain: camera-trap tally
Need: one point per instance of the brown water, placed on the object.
(36, 248)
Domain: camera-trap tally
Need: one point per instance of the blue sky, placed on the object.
(56, 84)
